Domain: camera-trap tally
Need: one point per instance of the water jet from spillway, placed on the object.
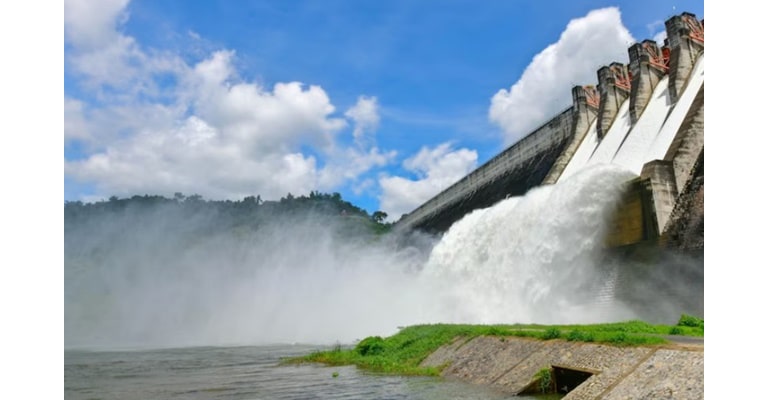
(532, 258)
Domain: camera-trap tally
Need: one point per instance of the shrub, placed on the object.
(545, 379)
(690, 320)
(370, 346)
(551, 333)
(580, 336)
(618, 338)
(676, 330)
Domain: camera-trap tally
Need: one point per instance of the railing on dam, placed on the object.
(545, 137)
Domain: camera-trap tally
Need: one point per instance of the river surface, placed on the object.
(241, 373)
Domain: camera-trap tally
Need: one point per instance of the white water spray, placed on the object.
(530, 258)
(526, 259)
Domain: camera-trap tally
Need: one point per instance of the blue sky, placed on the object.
(384, 102)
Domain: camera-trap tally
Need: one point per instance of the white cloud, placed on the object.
(102, 56)
(348, 163)
(365, 114)
(90, 25)
(543, 90)
(259, 119)
(75, 126)
(435, 168)
(655, 26)
(208, 131)
(659, 37)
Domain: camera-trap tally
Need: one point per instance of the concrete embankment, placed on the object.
(510, 364)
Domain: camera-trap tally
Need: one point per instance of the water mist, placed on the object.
(132, 281)
(532, 258)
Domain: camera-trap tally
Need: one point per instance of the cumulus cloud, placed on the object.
(543, 90)
(435, 168)
(348, 163)
(365, 114)
(101, 56)
(207, 131)
(90, 25)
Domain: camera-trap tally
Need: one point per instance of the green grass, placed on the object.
(403, 352)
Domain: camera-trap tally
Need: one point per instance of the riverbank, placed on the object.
(579, 370)
(627, 359)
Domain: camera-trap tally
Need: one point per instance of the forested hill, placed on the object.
(183, 213)
(188, 271)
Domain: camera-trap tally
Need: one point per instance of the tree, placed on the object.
(379, 216)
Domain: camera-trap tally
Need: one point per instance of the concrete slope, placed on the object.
(510, 364)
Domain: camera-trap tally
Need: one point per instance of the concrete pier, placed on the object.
(586, 102)
(685, 38)
(647, 65)
(689, 141)
(614, 87)
(661, 176)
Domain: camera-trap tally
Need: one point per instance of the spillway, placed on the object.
(664, 138)
(610, 144)
(583, 153)
(630, 154)
(650, 137)
(645, 116)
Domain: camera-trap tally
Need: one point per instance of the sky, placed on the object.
(386, 103)
(32, 288)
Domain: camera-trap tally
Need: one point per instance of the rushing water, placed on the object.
(525, 259)
(534, 258)
(529, 260)
(241, 373)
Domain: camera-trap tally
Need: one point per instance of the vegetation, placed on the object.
(247, 214)
(690, 320)
(551, 333)
(545, 379)
(403, 352)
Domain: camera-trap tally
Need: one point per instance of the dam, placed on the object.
(646, 116)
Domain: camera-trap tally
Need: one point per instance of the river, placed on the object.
(248, 372)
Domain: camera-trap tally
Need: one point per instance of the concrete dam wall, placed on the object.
(646, 116)
(510, 173)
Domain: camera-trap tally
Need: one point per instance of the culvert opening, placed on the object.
(556, 379)
(567, 379)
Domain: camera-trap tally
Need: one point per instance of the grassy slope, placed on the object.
(403, 352)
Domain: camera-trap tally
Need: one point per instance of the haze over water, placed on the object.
(149, 300)
(242, 373)
(527, 259)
